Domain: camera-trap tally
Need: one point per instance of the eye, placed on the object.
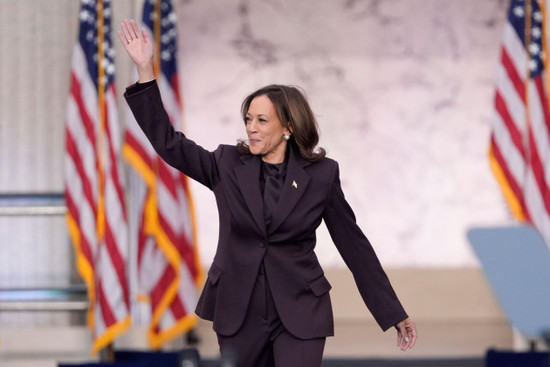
(262, 120)
(247, 120)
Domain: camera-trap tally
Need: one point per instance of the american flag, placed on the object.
(168, 266)
(520, 139)
(94, 193)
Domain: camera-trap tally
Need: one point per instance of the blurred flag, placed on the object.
(94, 193)
(520, 139)
(168, 267)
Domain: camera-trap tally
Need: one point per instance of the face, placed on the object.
(265, 131)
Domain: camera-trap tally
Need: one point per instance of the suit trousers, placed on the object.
(263, 341)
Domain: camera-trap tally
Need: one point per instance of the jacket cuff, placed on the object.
(139, 87)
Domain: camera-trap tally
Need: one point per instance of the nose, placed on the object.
(251, 126)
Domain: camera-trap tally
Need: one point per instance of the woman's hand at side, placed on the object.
(406, 334)
(138, 45)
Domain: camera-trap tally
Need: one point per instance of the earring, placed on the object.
(287, 137)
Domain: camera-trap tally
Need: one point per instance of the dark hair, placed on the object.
(295, 114)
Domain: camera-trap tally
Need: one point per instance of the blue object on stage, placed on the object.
(108, 364)
(188, 357)
(517, 264)
(514, 359)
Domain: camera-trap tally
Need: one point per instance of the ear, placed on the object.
(289, 128)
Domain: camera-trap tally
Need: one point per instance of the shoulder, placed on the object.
(226, 150)
(324, 164)
(325, 169)
(228, 153)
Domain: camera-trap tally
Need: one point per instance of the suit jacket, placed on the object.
(311, 193)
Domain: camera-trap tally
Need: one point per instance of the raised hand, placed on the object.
(138, 45)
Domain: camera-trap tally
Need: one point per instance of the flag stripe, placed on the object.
(107, 316)
(84, 245)
(515, 104)
(111, 130)
(72, 151)
(184, 250)
(515, 134)
(513, 75)
(510, 179)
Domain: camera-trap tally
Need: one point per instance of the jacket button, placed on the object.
(263, 244)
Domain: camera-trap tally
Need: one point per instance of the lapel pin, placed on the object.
(294, 184)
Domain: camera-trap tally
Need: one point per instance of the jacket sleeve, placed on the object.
(360, 257)
(172, 146)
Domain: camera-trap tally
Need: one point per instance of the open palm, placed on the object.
(139, 47)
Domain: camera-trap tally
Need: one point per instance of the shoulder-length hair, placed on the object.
(295, 114)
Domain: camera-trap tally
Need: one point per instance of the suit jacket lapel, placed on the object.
(296, 182)
(248, 179)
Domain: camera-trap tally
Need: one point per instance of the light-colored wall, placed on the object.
(403, 94)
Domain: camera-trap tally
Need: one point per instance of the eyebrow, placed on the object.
(260, 114)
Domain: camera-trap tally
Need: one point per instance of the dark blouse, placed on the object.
(272, 179)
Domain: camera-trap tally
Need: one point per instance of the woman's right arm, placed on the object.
(148, 109)
(171, 145)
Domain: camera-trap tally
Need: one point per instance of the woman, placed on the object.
(266, 292)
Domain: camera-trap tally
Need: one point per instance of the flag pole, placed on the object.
(527, 35)
(107, 352)
(545, 49)
(157, 33)
(101, 105)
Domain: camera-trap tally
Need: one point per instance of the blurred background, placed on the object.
(404, 95)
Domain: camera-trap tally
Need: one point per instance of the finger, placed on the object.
(399, 336)
(134, 29)
(126, 30)
(145, 35)
(122, 39)
(402, 340)
(131, 24)
(410, 338)
(413, 339)
(405, 342)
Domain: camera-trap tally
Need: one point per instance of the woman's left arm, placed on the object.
(360, 257)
